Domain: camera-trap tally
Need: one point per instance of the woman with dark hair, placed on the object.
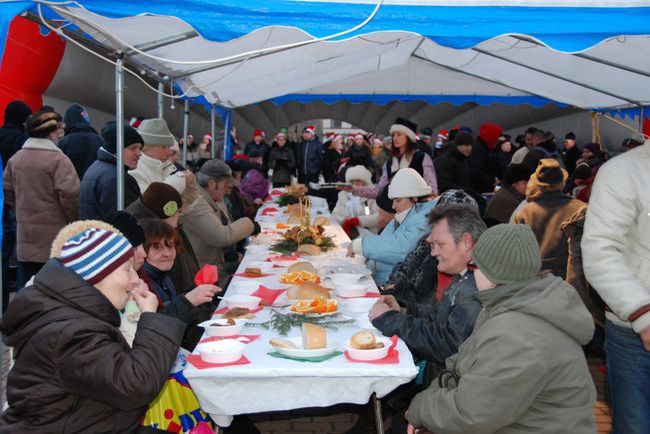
(332, 159)
(282, 162)
(162, 245)
(405, 154)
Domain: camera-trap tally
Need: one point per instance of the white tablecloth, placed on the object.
(275, 384)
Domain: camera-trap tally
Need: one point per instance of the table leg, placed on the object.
(379, 418)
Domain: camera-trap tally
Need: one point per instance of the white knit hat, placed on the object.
(408, 183)
(358, 173)
(155, 132)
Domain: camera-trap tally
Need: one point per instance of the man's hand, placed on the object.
(202, 294)
(391, 301)
(378, 309)
(645, 338)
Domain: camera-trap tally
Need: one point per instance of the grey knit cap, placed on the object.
(508, 253)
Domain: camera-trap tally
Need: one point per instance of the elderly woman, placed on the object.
(74, 372)
(353, 211)
(405, 154)
(411, 201)
(523, 368)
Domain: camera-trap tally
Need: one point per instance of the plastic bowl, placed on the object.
(352, 290)
(245, 287)
(365, 355)
(357, 305)
(212, 327)
(223, 351)
(241, 300)
(264, 266)
(342, 279)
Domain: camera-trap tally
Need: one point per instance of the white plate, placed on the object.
(357, 305)
(352, 290)
(240, 300)
(302, 353)
(366, 355)
(222, 330)
(243, 286)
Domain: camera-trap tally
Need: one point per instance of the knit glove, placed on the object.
(350, 224)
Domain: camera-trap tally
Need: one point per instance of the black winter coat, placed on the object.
(416, 278)
(74, 372)
(331, 163)
(360, 155)
(482, 174)
(263, 148)
(98, 193)
(12, 139)
(81, 144)
(452, 171)
(435, 332)
(283, 162)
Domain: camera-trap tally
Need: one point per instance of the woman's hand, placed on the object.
(202, 294)
(146, 300)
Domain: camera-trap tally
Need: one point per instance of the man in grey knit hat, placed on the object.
(522, 369)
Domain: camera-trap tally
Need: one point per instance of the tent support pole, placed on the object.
(213, 131)
(186, 127)
(161, 101)
(227, 145)
(119, 117)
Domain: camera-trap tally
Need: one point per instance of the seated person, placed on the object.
(73, 371)
(509, 196)
(353, 211)
(192, 306)
(417, 279)
(523, 368)
(411, 200)
(254, 185)
(434, 332)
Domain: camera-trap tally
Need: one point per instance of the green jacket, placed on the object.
(521, 371)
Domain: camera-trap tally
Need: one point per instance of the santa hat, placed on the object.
(135, 122)
(207, 136)
(358, 136)
(309, 129)
(443, 134)
(258, 133)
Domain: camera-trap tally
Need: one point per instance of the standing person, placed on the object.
(425, 141)
(98, 196)
(529, 144)
(359, 153)
(386, 153)
(616, 260)
(332, 159)
(282, 162)
(310, 156)
(452, 168)
(523, 368)
(74, 372)
(482, 178)
(570, 152)
(405, 154)
(509, 196)
(41, 185)
(81, 142)
(502, 156)
(547, 208)
(258, 144)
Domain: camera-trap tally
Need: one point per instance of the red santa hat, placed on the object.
(443, 134)
(258, 132)
(309, 129)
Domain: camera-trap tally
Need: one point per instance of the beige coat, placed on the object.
(206, 232)
(41, 184)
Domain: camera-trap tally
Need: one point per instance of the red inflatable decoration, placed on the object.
(29, 63)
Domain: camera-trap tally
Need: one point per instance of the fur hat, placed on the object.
(42, 123)
(408, 183)
(162, 199)
(155, 132)
(358, 173)
(405, 127)
(92, 249)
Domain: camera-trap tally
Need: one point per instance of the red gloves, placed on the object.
(350, 224)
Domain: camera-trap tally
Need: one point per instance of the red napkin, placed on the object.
(208, 275)
(282, 258)
(368, 295)
(275, 193)
(199, 363)
(269, 211)
(225, 309)
(253, 276)
(392, 358)
(268, 295)
(251, 338)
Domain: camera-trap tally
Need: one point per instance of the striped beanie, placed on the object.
(95, 253)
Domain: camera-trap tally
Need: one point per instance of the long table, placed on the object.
(275, 384)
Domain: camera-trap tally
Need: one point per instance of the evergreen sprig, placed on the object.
(283, 323)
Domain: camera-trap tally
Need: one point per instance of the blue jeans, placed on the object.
(628, 380)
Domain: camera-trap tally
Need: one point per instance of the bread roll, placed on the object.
(282, 343)
(308, 250)
(313, 336)
(364, 340)
(321, 221)
(294, 219)
(307, 291)
(302, 266)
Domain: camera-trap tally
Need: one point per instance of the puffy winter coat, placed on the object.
(81, 141)
(396, 240)
(98, 195)
(283, 163)
(521, 371)
(40, 183)
(452, 170)
(11, 141)
(482, 177)
(310, 156)
(74, 372)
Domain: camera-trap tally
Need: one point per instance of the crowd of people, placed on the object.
(500, 262)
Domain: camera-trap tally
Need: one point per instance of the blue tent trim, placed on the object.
(384, 99)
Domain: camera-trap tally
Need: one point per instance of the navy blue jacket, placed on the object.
(12, 139)
(434, 332)
(310, 155)
(98, 193)
(81, 144)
